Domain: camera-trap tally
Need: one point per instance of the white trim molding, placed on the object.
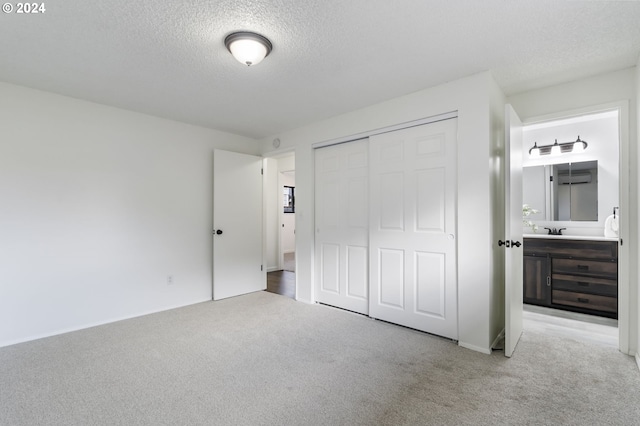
(475, 348)
(387, 129)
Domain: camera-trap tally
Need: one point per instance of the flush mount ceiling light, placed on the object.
(248, 48)
(556, 148)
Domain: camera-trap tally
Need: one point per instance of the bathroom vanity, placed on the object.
(577, 274)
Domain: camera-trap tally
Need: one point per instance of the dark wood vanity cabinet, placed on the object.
(574, 275)
(537, 280)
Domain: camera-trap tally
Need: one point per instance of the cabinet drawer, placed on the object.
(585, 267)
(598, 250)
(597, 286)
(585, 301)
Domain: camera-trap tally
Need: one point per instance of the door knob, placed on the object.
(501, 243)
(515, 243)
(219, 231)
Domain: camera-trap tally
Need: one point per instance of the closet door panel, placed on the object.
(430, 284)
(358, 272)
(413, 228)
(330, 268)
(342, 226)
(357, 207)
(391, 276)
(391, 201)
(430, 200)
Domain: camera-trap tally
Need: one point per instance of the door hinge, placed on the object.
(261, 267)
(550, 179)
(262, 171)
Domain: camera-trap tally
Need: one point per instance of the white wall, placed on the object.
(636, 259)
(582, 94)
(471, 98)
(602, 137)
(287, 163)
(98, 206)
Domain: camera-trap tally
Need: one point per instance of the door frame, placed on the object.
(626, 328)
(274, 155)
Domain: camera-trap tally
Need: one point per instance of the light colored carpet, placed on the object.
(266, 359)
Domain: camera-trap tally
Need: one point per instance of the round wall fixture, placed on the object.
(248, 48)
(276, 142)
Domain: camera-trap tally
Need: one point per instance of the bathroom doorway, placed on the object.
(588, 206)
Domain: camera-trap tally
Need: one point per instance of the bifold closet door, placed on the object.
(413, 228)
(342, 227)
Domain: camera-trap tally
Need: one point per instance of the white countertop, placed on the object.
(571, 237)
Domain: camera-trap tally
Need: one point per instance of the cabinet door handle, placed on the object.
(583, 267)
(548, 281)
(582, 300)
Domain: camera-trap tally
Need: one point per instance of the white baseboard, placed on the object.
(98, 323)
(638, 360)
(475, 348)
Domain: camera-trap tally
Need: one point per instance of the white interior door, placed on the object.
(513, 230)
(342, 227)
(237, 221)
(413, 228)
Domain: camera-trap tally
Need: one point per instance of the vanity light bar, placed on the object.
(558, 148)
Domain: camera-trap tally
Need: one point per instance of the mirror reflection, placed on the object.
(562, 192)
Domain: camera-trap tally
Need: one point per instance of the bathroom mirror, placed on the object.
(562, 192)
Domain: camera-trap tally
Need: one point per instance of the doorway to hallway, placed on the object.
(280, 221)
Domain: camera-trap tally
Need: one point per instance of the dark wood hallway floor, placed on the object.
(282, 282)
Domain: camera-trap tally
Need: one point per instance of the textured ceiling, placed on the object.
(167, 57)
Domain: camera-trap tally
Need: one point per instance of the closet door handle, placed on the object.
(583, 300)
(548, 281)
(583, 267)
